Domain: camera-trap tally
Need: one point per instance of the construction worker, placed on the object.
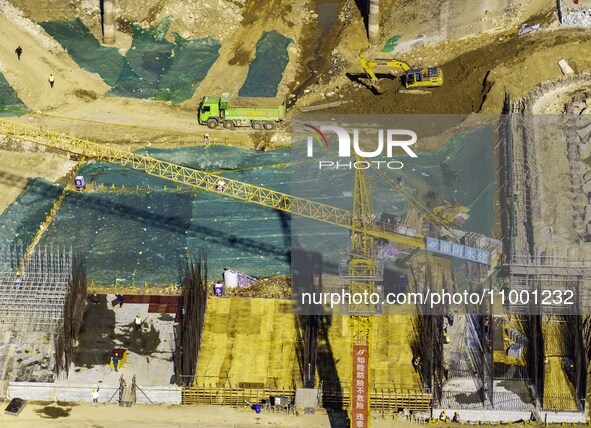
(138, 322)
(546, 361)
(95, 395)
(443, 417)
(416, 362)
(18, 282)
(18, 51)
(116, 362)
(51, 80)
(456, 418)
(446, 338)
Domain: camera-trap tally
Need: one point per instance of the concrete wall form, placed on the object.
(38, 391)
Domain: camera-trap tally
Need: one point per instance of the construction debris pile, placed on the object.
(579, 16)
(27, 357)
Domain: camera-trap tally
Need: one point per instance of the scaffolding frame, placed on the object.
(529, 272)
(33, 289)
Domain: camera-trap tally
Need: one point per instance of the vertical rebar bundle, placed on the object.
(75, 303)
(307, 347)
(188, 338)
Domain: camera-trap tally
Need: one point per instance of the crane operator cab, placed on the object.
(416, 78)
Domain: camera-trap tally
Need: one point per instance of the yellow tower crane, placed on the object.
(364, 231)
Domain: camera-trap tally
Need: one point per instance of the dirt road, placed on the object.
(16, 168)
(29, 76)
(113, 416)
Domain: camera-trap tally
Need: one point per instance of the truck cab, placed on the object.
(209, 111)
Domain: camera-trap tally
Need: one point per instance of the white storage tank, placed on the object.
(230, 278)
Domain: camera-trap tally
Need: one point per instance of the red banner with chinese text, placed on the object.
(360, 387)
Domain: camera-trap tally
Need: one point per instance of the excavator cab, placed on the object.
(416, 78)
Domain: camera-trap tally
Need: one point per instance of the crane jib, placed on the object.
(209, 182)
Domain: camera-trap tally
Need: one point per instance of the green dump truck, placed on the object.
(231, 112)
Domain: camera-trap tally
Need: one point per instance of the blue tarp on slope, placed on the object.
(266, 71)
(10, 103)
(85, 49)
(149, 69)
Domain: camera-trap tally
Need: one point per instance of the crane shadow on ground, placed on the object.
(101, 206)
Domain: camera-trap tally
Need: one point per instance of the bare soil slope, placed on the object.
(467, 81)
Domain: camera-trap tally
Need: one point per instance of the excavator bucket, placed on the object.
(376, 88)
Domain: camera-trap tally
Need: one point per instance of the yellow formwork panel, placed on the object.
(247, 340)
(558, 391)
(554, 338)
(214, 341)
(390, 355)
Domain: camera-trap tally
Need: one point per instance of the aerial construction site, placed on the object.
(341, 213)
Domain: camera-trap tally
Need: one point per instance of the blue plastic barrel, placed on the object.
(79, 182)
(218, 290)
(257, 408)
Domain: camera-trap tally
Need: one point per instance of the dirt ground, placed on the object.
(87, 415)
(77, 103)
(110, 415)
(293, 20)
(192, 18)
(510, 62)
(479, 63)
(16, 168)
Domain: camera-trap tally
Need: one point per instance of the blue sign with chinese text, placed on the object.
(460, 251)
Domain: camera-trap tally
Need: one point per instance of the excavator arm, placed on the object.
(369, 63)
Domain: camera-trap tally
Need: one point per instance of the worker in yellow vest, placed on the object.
(138, 322)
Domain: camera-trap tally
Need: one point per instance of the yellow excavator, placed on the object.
(413, 78)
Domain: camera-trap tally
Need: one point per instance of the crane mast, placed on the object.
(361, 279)
(363, 270)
